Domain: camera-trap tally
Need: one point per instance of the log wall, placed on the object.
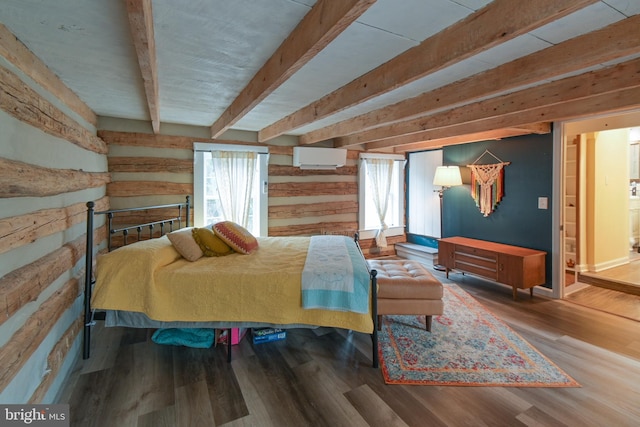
(148, 169)
(53, 160)
(51, 163)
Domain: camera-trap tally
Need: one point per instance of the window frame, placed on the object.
(199, 148)
(362, 176)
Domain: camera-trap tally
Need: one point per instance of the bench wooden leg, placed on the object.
(379, 322)
(428, 320)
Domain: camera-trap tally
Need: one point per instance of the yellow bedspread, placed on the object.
(152, 278)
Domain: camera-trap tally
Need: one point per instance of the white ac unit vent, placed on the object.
(319, 158)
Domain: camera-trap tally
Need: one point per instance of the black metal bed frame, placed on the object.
(89, 317)
(139, 228)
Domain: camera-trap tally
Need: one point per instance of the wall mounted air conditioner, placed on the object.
(319, 158)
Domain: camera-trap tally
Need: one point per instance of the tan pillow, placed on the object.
(209, 243)
(182, 240)
(236, 236)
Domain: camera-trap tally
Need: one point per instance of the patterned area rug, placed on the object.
(468, 346)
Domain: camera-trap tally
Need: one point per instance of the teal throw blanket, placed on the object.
(188, 337)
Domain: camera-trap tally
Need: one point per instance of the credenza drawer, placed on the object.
(488, 272)
(481, 253)
(483, 262)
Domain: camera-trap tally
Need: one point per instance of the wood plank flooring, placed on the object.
(324, 377)
(607, 300)
(624, 278)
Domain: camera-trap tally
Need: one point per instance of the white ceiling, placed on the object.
(208, 50)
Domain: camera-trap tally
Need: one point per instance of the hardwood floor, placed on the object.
(615, 290)
(624, 278)
(608, 300)
(324, 377)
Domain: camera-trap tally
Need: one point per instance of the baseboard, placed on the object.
(607, 265)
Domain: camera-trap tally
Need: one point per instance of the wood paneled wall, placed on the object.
(51, 164)
(151, 169)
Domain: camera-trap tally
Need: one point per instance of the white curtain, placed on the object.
(380, 174)
(234, 173)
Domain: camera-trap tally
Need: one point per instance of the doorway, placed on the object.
(600, 222)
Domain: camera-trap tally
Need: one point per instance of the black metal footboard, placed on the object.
(374, 313)
(138, 229)
(374, 307)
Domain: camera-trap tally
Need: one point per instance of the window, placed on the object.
(207, 203)
(368, 216)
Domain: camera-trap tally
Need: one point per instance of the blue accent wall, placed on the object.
(517, 219)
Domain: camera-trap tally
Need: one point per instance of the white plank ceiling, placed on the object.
(209, 50)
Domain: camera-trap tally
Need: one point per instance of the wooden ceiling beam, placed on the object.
(615, 41)
(537, 128)
(618, 77)
(464, 139)
(496, 23)
(607, 103)
(324, 22)
(141, 24)
(459, 131)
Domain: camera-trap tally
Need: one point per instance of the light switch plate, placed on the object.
(543, 203)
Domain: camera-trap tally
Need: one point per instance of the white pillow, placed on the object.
(185, 244)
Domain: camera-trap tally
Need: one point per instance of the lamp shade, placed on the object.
(447, 176)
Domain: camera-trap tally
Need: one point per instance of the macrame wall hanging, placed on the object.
(487, 183)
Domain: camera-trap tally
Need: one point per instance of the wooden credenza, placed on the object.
(511, 265)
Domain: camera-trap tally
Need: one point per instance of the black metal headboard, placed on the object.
(139, 229)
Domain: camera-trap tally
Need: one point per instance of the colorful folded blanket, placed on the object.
(188, 337)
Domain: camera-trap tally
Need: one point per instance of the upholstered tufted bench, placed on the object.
(406, 287)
